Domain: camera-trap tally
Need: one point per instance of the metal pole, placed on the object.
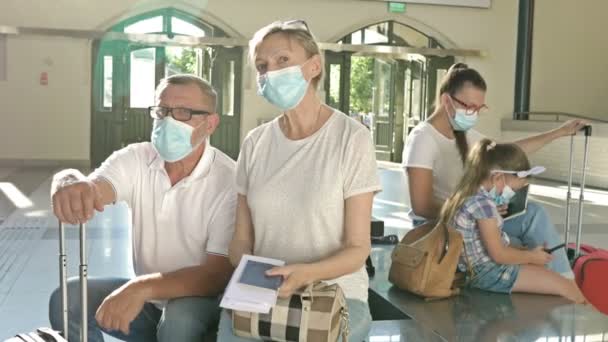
(63, 282)
(523, 66)
(582, 195)
(83, 285)
(569, 194)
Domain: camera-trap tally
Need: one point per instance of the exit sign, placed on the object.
(396, 7)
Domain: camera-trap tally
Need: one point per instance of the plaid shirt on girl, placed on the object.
(477, 207)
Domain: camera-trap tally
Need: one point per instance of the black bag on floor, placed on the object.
(48, 334)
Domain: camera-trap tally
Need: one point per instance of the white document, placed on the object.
(249, 288)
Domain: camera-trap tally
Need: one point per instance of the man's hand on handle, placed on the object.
(74, 198)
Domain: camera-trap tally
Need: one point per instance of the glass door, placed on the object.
(383, 108)
(226, 79)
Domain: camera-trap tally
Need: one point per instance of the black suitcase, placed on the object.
(47, 334)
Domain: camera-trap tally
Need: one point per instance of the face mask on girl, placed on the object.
(284, 88)
(461, 120)
(504, 197)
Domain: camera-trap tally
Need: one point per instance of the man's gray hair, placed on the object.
(186, 79)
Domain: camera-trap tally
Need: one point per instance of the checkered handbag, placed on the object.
(317, 314)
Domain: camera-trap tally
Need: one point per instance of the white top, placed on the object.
(296, 191)
(174, 227)
(427, 148)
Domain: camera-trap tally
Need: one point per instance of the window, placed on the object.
(107, 81)
(150, 25)
(228, 94)
(143, 72)
(376, 34)
(180, 26)
(389, 33)
(183, 60)
(334, 85)
(383, 84)
(407, 36)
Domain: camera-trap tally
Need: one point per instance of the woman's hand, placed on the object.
(295, 277)
(571, 127)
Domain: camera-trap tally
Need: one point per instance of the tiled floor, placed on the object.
(28, 238)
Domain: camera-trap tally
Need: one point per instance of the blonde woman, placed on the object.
(306, 180)
(496, 171)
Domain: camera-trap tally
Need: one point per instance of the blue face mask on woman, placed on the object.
(172, 139)
(283, 88)
(461, 120)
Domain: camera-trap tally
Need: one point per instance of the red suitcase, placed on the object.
(589, 264)
(591, 272)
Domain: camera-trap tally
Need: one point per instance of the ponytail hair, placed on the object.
(457, 77)
(484, 157)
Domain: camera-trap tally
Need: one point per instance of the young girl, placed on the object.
(492, 173)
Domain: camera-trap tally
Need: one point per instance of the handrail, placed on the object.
(517, 115)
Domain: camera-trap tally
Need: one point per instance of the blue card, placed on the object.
(255, 274)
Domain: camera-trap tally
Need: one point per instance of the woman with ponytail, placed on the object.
(492, 173)
(437, 148)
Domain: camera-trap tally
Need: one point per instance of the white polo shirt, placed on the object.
(174, 227)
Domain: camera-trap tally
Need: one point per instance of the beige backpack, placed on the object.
(425, 261)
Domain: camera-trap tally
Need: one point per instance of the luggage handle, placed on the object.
(587, 132)
(63, 282)
(588, 129)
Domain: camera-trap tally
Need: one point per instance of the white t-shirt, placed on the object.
(174, 226)
(296, 191)
(427, 148)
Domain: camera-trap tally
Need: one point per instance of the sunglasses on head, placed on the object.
(297, 24)
(523, 174)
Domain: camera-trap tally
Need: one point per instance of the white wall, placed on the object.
(569, 74)
(556, 156)
(63, 107)
(570, 56)
(45, 122)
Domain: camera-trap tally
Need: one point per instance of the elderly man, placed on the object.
(182, 198)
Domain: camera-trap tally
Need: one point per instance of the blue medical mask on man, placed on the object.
(284, 88)
(463, 120)
(172, 139)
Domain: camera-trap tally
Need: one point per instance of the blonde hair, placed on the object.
(303, 37)
(484, 157)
